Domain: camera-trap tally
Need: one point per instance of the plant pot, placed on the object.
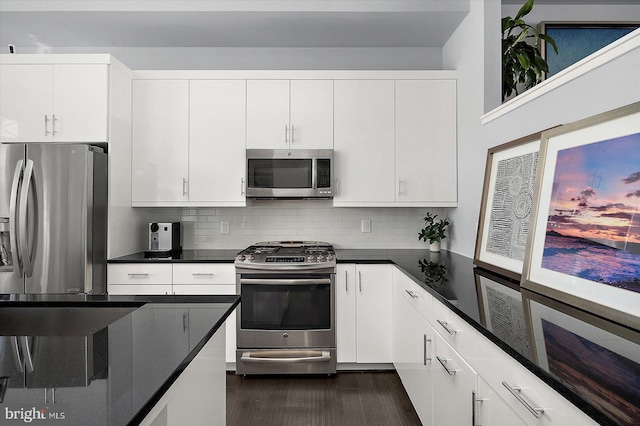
(435, 247)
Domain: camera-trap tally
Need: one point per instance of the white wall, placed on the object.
(610, 86)
(296, 220)
(193, 58)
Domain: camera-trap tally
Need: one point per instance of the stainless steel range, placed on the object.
(286, 321)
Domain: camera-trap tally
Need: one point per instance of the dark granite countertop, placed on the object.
(109, 358)
(186, 256)
(540, 333)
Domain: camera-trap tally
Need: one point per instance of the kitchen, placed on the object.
(320, 220)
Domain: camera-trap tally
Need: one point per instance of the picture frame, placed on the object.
(501, 310)
(507, 198)
(584, 238)
(578, 39)
(607, 372)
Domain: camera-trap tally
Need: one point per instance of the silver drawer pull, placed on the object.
(445, 325)
(412, 294)
(426, 358)
(516, 391)
(202, 274)
(443, 362)
(138, 274)
(286, 357)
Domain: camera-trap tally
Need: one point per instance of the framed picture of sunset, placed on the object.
(583, 246)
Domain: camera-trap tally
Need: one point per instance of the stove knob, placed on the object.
(310, 258)
(250, 257)
(320, 257)
(241, 257)
(329, 256)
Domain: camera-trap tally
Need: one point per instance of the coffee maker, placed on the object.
(164, 239)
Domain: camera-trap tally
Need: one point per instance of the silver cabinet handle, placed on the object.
(53, 124)
(202, 274)
(138, 274)
(185, 322)
(292, 134)
(412, 294)
(474, 408)
(315, 356)
(13, 217)
(360, 281)
(346, 281)
(425, 358)
(241, 186)
(286, 134)
(335, 192)
(537, 412)
(27, 180)
(399, 187)
(46, 125)
(443, 363)
(184, 187)
(445, 325)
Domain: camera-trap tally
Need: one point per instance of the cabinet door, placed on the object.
(230, 323)
(373, 307)
(412, 346)
(311, 117)
(454, 384)
(217, 159)
(80, 102)
(346, 313)
(426, 129)
(26, 103)
(160, 142)
(364, 142)
(491, 410)
(268, 114)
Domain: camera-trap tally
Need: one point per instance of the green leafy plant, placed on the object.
(433, 231)
(522, 63)
(435, 273)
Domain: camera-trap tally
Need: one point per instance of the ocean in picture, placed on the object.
(593, 227)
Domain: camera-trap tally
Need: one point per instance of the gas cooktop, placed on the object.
(297, 255)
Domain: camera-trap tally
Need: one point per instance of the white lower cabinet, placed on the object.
(363, 313)
(177, 278)
(198, 396)
(459, 377)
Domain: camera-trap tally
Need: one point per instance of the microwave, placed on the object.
(293, 174)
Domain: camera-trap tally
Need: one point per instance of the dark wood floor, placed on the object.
(348, 398)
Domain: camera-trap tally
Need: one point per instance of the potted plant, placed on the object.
(433, 231)
(522, 64)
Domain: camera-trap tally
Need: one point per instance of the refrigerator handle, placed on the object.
(26, 351)
(15, 344)
(24, 235)
(13, 225)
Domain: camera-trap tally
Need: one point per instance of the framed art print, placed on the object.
(597, 359)
(507, 199)
(584, 238)
(577, 40)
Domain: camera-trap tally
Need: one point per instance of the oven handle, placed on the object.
(285, 281)
(324, 356)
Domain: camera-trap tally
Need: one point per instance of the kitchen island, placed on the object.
(112, 360)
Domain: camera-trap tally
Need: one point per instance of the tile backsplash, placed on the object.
(296, 220)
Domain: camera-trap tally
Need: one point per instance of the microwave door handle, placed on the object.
(13, 217)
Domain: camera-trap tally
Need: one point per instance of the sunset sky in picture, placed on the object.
(596, 191)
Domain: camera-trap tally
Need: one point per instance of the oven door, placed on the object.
(285, 310)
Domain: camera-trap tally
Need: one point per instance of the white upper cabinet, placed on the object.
(160, 142)
(426, 172)
(364, 121)
(217, 142)
(54, 103)
(289, 114)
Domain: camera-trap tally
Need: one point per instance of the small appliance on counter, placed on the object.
(164, 239)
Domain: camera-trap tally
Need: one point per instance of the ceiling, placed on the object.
(224, 23)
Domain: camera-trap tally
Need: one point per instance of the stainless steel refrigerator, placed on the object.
(53, 218)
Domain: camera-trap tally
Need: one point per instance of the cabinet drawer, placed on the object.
(132, 289)
(412, 292)
(139, 274)
(203, 273)
(460, 335)
(499, 370)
